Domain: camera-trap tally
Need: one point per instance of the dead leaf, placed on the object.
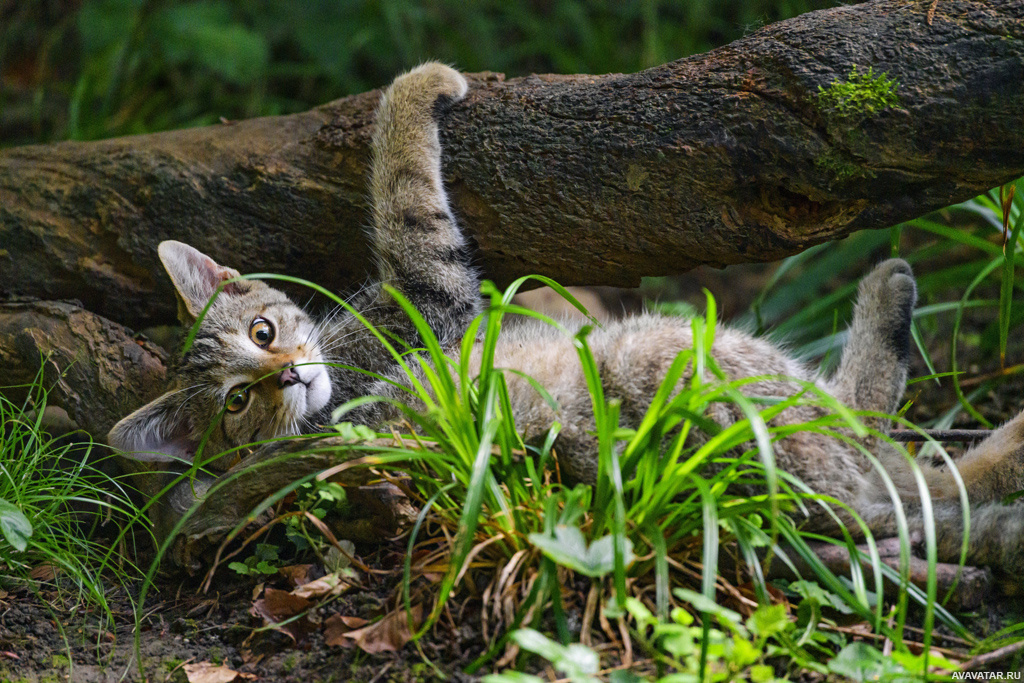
(277, 606)
(43, 572)
(327, 585)
(337, 626)
(389, 634)
(207, 672)
(298, 574)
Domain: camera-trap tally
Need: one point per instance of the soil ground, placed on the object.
(179, 626)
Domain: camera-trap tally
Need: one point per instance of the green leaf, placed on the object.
(726, 616)
(639, 612)
(812, 591)
(352, 432)
(241, 568)
(861, 662)
(569, 549)
(681, 641)
(15, 525)
(335, 560)
(575, 661)
(511, 677)
(916, 663)
(265, 567)
(769, 620)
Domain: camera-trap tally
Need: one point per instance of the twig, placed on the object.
(1003, 372)
(964, 435)
(981, 661)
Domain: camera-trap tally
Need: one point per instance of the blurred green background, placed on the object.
(87, 69)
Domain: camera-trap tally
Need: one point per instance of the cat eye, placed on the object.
(261, 332)
(238, 398)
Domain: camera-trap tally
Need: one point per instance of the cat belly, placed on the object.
(633, 357)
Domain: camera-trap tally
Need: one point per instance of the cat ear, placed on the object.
(156, 432)
(196, 277)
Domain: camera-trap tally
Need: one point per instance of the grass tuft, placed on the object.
(60, 509)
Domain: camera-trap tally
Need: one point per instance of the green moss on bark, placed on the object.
(861, 94)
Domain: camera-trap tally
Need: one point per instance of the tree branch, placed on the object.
(723, 157)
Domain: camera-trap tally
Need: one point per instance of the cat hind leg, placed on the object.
(872, 374)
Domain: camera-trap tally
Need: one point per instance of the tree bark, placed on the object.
(719, 158)
(96, 370)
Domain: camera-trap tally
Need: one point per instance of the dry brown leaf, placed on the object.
(43, 572)
(337, 626)
(389, 634)
(277, 606)
(207, 672)
(298, 574)
(327, 585)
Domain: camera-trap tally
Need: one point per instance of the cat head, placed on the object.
(254, 370)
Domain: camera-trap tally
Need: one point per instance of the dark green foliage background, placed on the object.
(87, 69)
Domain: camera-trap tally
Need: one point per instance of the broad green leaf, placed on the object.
(768, 620)
(15, 525)
(569, 549)
(726, 616)
(861, 662)
(812, 591)
(575, 661)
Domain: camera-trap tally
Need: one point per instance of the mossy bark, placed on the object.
(718, 158)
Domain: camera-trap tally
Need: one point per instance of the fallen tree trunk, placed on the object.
(94, 369)
(719, 158)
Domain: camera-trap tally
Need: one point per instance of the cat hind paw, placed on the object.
(886, 301)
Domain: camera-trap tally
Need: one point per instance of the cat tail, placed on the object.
(420, 249)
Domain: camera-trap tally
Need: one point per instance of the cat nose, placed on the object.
(288, 376)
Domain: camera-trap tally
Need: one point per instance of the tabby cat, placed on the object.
(259, 359)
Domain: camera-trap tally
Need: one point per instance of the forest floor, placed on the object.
(220, 635)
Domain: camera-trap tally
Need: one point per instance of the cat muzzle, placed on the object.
(288, 376)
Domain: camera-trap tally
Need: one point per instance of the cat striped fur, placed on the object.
(259, 359)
